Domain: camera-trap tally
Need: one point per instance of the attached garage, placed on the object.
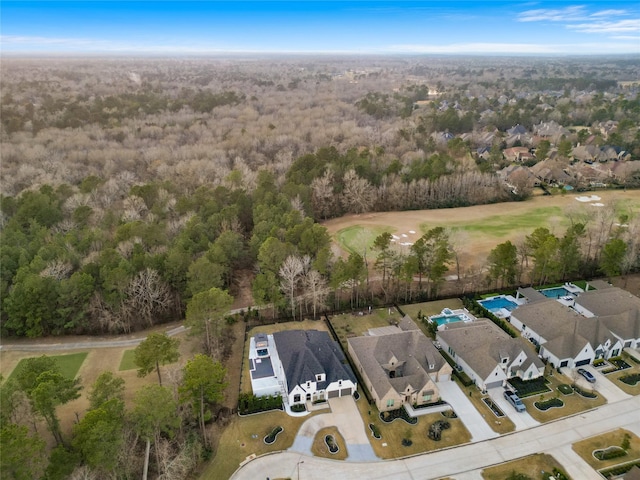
(345, 392)
(582, 362)
(493, 384)
(333, 393)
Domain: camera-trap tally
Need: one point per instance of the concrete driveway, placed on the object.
(522, 420)
(603, 385)
(463, 462)
(472, 419)
(346, 418)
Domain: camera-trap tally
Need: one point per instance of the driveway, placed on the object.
(346, 418)
(463, 462)
(522, 420)
(603, 385)
(472, 419)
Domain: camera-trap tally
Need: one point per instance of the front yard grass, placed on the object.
(244, 436)
(128, 361)
(320, 449)
(68, 364)
(526, 465)
(393, 433)
(572, 403)
(586, 447)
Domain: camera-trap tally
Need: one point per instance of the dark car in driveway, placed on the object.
(587, 375)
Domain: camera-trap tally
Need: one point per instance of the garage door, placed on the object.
(494, 384)
(333, 393)
(345, 391)
(582, 362)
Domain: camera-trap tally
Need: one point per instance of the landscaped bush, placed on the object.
(565, 389)
(298, 408)
(271, 437)
(249, 403)
(527, 388)
(449, 414)
(436, 428)
(406, 442)
(621, 364)
(584, 393)
(609, 453)
(375, 431)
(331, 443)
(547, 404)
(619, 469)
(632, 379)
(401, 413)
(597, 362)
(494, 408)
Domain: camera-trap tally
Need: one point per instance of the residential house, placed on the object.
(550, 130)
(307, 365)
(551, 171)
(577, 329)
(488, 355)
(518, 154)
(399, 365)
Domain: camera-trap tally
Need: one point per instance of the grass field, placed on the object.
(355, 237)
(527, 465)
(244, 436)
(479, 228)
(585, 448)
(69, 364)
(128, 361)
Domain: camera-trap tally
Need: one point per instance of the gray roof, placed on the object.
(306, 353)
(415, 357)
(261, 367)
(531, 294)
(608, 301)
(482, 344)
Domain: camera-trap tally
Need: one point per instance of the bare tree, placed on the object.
(291, 272)
(316, 290)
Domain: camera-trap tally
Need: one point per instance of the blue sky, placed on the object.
(361, 27)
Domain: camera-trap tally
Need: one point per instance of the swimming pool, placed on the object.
(496, 303)
(556, 292)
(444, 319)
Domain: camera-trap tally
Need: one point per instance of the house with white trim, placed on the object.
(488, 355)
(301, 365)
(399, 365)
(576, 330)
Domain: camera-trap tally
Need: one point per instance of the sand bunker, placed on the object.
(592, 198)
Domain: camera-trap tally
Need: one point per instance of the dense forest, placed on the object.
(129, 186)
(139, 191)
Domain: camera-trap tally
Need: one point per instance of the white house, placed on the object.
(300, 365)
(488, 355)
(594, 324)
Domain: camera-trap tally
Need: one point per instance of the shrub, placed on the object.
(632, 379)
(401, 413)
(406, 442)
(249, 403)
(375, 431)
(271, 437)
(436, 428)
(547, 404)
(609, 453)
(565, 389)
(331, 443)
(298, 408)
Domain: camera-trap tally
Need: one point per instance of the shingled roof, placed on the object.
(482, 344)
(306, 353)
(411, 352)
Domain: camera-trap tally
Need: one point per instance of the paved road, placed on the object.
(463, 462)
(91, 342)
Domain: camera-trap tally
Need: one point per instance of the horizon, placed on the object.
(370, 28)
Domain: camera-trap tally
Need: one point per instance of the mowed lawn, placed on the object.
(587, 447)
(69, 364)
(478, 228)
(530, 465)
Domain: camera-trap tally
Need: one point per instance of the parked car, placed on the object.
(514, 400)
(587, 375)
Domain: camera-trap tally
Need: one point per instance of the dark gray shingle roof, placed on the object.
(306, 353)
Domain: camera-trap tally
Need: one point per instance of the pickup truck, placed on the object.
(514, 400)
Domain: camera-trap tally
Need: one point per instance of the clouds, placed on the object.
(579, 19)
